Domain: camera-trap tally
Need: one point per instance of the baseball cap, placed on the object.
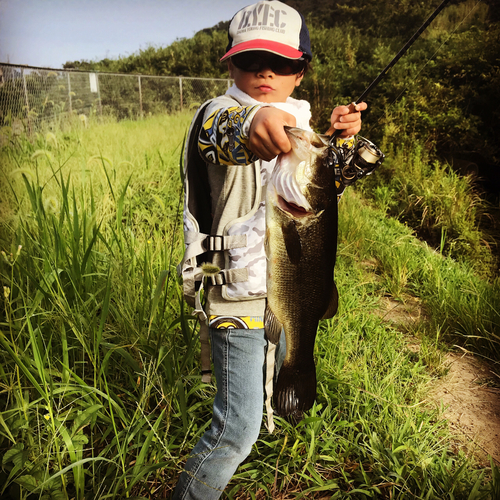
(271, 26)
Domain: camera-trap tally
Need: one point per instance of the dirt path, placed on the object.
(469, 392)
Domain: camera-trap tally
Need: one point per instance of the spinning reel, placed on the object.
(355, 163)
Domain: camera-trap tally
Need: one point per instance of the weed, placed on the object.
(101, 392)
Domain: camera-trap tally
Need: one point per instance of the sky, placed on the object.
(48, 33)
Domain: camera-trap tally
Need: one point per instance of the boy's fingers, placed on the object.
(266, 150)
(352, 108)
(338, 112)
(267, 134)
(267, 146)
(347, 119)
(280, 141)
(351, 117)
(348, 128)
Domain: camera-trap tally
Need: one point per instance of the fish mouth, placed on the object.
(293, 209)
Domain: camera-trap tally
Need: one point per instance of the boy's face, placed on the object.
(264, 84)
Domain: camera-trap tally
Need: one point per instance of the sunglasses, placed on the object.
(257, 61)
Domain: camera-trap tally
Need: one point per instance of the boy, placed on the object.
(241, 134)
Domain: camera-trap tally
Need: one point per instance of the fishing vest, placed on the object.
(205, 234)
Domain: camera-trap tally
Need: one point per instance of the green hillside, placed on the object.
(448, 83)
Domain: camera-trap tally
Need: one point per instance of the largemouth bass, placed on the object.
(301, 245)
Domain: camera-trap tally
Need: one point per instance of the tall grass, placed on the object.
(94, 367)
(423, 191)
(464, 307)
(100, 389)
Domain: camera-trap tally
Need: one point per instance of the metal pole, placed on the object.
(180, 89)
(140, 96)
(69, 95)
(26, 100)
(98, 93)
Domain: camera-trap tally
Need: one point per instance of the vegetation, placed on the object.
(99, 368)
(450, 77)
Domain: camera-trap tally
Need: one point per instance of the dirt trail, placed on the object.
(471, 395)
(469, 392)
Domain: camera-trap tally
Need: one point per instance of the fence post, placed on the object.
(28, 118)
(98, 93)
(140, 95)
(180, 89)
(69, 95)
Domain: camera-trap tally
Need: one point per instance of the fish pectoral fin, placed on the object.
(292, 241)
(272, 326)
(333, 303)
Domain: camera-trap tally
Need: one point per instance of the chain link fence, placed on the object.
(31, 96)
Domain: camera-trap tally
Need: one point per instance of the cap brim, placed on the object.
(269, 46)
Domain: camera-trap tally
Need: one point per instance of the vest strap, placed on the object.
(206, 371)
(222, 277)
(216, 243)
(268, 387)
(198, 243)
(226, 276)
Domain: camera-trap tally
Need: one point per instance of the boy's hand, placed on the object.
(267, 137)
(347, 119)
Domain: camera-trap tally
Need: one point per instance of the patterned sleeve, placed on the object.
(224, 136)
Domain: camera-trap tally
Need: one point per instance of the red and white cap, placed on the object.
(270, 26)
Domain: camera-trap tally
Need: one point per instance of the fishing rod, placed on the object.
(366, 156)
(401, 53)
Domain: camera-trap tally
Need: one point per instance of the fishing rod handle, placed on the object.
(336, 132)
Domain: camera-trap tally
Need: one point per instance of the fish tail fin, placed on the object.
(295, 391)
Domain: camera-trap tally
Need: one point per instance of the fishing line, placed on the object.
(432, 56)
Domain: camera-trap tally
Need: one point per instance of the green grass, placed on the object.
(464, 307)
(442, 207)
(100, 385)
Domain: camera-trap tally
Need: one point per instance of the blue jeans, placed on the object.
(239, 362)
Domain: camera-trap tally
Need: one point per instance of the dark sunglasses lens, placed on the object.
(284, 66)
(248, 61)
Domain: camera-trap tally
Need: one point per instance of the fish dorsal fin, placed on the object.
(272, 326)
(292, 241)
(333, 303)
